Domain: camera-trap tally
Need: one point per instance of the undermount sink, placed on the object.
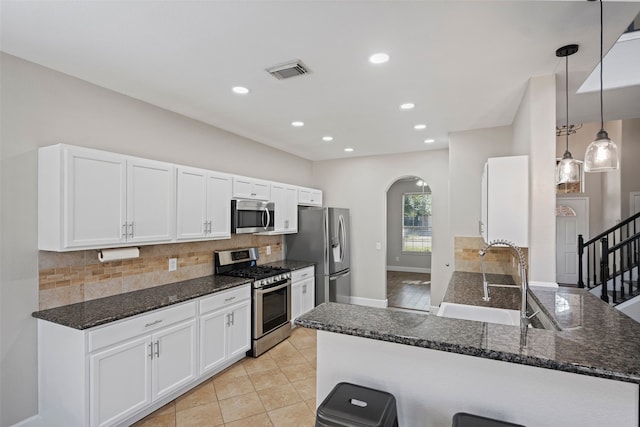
(480, 314)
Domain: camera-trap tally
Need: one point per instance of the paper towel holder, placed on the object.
(117, 254)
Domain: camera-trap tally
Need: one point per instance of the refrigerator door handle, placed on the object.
(342, 236)
(338, 276)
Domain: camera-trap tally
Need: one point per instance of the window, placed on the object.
(416, 222)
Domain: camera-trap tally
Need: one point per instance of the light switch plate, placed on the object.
(173, 264)
(268, 250)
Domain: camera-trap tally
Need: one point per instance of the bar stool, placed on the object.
(351, 405)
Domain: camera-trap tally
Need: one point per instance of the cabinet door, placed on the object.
(296, 300)
(120, 381)
(291, 224)
(307, 296)
(261, 190)
(174, 358)
(279, 198)
(213, 340)
(239, 335)
(150, 201)
(219, 205)
(192, 203)
(95, 198)
(243, 188)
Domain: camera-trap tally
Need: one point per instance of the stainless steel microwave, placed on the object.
(251, 216)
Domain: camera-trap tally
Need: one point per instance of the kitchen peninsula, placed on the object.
(587, 373)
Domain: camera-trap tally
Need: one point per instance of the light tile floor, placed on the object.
(277, 389)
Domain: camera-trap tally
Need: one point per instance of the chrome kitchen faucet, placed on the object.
(522, 271)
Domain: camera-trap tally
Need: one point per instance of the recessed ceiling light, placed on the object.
(327, 138)
(348, 149)
(429, 141)
(297, 124)
(378, 58)
(407, 106)
(240, 90)
(420, 127)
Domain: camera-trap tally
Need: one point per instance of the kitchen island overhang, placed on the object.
(439, 366)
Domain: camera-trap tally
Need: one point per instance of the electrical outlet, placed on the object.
(268, 250)
(378, 245)
(397, 258)
(173, 264)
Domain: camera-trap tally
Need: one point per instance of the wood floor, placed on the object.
(411, 291)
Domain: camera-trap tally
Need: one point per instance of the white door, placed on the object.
(174, 358)
(291, 223)
(239, 335)
(308, 294)
(296, 300)
(192, 203)
(95, 198)
(219, 206)
(150, 201)
(572, 219)
(634, 203)
(213, 340)
(120, 381)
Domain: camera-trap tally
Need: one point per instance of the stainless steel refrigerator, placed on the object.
(323, 237)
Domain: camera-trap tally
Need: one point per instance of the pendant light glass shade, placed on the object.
(601, 154)
(568, 169)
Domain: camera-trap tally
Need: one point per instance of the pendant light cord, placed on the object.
(601, 43)
(566, 91)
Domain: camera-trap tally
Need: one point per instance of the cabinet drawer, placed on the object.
(302, 274)
(149, 322)
(224, 298)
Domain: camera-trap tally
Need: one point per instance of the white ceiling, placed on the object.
(464, 64)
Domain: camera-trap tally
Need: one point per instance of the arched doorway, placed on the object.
(409, 249)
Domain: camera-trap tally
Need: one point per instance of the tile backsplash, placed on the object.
(70, 277)
(498, 260)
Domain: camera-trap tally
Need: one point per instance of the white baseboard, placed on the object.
(34, 421)
(552, 285)
(408, 269)
(370, 302)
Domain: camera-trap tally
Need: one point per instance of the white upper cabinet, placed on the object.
(285, 198)
(505, 200)
(150, 201)
(309, 196)
(95, 199)
(204, 204)
(251, 188)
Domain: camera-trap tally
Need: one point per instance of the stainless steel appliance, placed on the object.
(323, 237)
(271, 296)
(251, 216)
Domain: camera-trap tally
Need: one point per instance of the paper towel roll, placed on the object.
(105, 255)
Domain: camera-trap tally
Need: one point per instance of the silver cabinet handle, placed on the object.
(210, 226)
(131, 225)
(124, 230)
(158, 348)
(153, 323)
(305, 275)
(233, 317)
(151, 351)
(205, 227)
(228, 319)
(304, 289)
(229, 299)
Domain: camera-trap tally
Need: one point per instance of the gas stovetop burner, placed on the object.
(242, 263)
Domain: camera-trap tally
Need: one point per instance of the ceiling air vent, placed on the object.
(289, 69)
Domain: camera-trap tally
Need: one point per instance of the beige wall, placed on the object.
(42, 107)
(534, 134)
(361, 185)
(629, 166)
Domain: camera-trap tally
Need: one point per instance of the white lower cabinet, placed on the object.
(224, 328)
(116, 373)
(303, 291)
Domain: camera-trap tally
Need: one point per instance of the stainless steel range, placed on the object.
(271, 296)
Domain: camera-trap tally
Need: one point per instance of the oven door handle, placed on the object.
(269, 290)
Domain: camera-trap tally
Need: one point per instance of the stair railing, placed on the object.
(613, 259)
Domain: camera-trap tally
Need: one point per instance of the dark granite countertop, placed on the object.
(595, 339)
(85, 315)
(292, 264)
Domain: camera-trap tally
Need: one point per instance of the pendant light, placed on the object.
(568, 169)
(601, 154)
